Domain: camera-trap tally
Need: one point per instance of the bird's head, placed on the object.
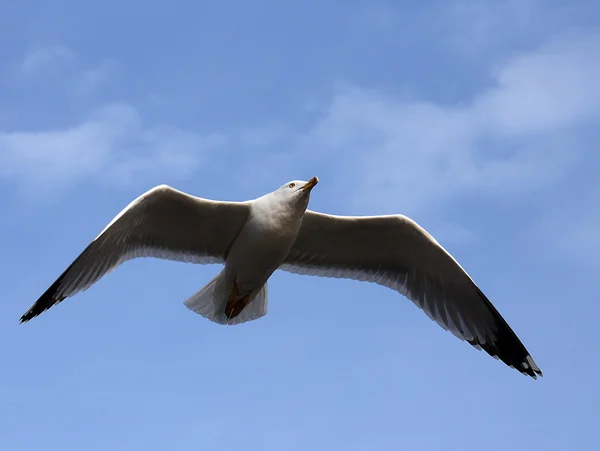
(296, 192)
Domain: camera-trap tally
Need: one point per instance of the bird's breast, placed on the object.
(260, 248)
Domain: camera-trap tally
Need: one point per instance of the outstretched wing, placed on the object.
(395, 252)
(162, 223)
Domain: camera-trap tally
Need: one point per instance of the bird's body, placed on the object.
(259, 250)
(262, 245)
(253, 239)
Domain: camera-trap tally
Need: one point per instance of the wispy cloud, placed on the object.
(476, 30)
(88, 81)
(471, 26)
(512, 138)
(59, 68)
(543, 90)
(46, 61)
(112, 143)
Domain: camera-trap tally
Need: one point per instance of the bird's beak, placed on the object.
(310, 184)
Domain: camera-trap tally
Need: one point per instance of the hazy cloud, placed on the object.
(514, 137)
(112, 143)
(58, 68)
(45, 61)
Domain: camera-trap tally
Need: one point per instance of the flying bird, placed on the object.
(252, 239)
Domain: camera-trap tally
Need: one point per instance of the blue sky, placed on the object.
(476, 118)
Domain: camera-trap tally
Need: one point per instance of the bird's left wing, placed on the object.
(395, 252)
(162, 223)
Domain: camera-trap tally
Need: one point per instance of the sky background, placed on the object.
(478, 119)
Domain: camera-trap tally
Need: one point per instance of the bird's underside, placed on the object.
(391, 251)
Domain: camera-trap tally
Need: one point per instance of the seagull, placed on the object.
(253, 239)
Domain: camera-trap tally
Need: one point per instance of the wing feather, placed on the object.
(161, 223)
(396, 252)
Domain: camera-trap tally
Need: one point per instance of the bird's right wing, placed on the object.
(395, 252)
(162, 223)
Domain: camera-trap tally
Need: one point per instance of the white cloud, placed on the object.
(513, 138)
(113, 143)
(554, 87)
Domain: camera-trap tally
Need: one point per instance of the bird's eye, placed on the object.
(291, 185)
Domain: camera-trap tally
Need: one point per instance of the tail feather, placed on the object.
(210, 302)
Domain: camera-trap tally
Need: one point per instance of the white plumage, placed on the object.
(277, 231)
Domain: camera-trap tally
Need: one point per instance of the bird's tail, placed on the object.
(210, 302)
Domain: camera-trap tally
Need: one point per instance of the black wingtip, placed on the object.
(27, 315)
(514, 355)
(30, 314)
(530, 368)
(46, 300)
(511, 353)
(33, 311)
(507, 347)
